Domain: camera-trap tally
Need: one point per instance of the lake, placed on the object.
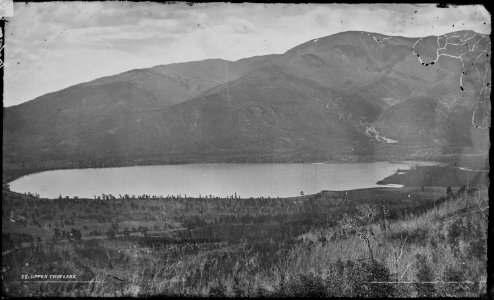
(247, 180)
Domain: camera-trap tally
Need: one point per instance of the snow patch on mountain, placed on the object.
(372, 132)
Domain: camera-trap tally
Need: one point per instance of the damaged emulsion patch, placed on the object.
(472, 50)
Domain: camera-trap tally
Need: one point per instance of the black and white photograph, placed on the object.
(182, 149)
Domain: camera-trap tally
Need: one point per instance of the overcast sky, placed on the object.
(50, 46)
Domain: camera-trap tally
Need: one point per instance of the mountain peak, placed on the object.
(352, 37)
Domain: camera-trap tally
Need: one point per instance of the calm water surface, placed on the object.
(247, 180)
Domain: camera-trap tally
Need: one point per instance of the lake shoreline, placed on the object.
(15, 172)
(216, 179)
(256, 180)
(470, 160)
(444, 176)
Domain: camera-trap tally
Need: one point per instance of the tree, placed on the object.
(359, 224)
(39, 243)
(384, 222)
(425, 275)
(56, 234)
(114, 226)
(110, 234)
(76, 234)
(143, 230)
(449, 193)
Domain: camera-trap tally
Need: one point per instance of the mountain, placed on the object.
(345, 96)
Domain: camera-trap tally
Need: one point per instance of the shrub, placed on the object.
(360, 278)
(478, 245)
(373, 271)
(282, 289)
(307, 285)
(237, 290)
(334, 280)
(217, 290)
(424, 275)
(262, 292)
(454, 274)
(454, 233)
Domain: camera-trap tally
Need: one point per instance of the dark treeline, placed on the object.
(206, 218)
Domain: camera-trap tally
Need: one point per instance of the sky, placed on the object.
(53, 45)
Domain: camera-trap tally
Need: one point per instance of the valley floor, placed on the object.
(405, 242)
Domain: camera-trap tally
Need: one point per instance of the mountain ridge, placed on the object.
(346, 94)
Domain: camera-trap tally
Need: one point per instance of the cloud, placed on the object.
(53, 45)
